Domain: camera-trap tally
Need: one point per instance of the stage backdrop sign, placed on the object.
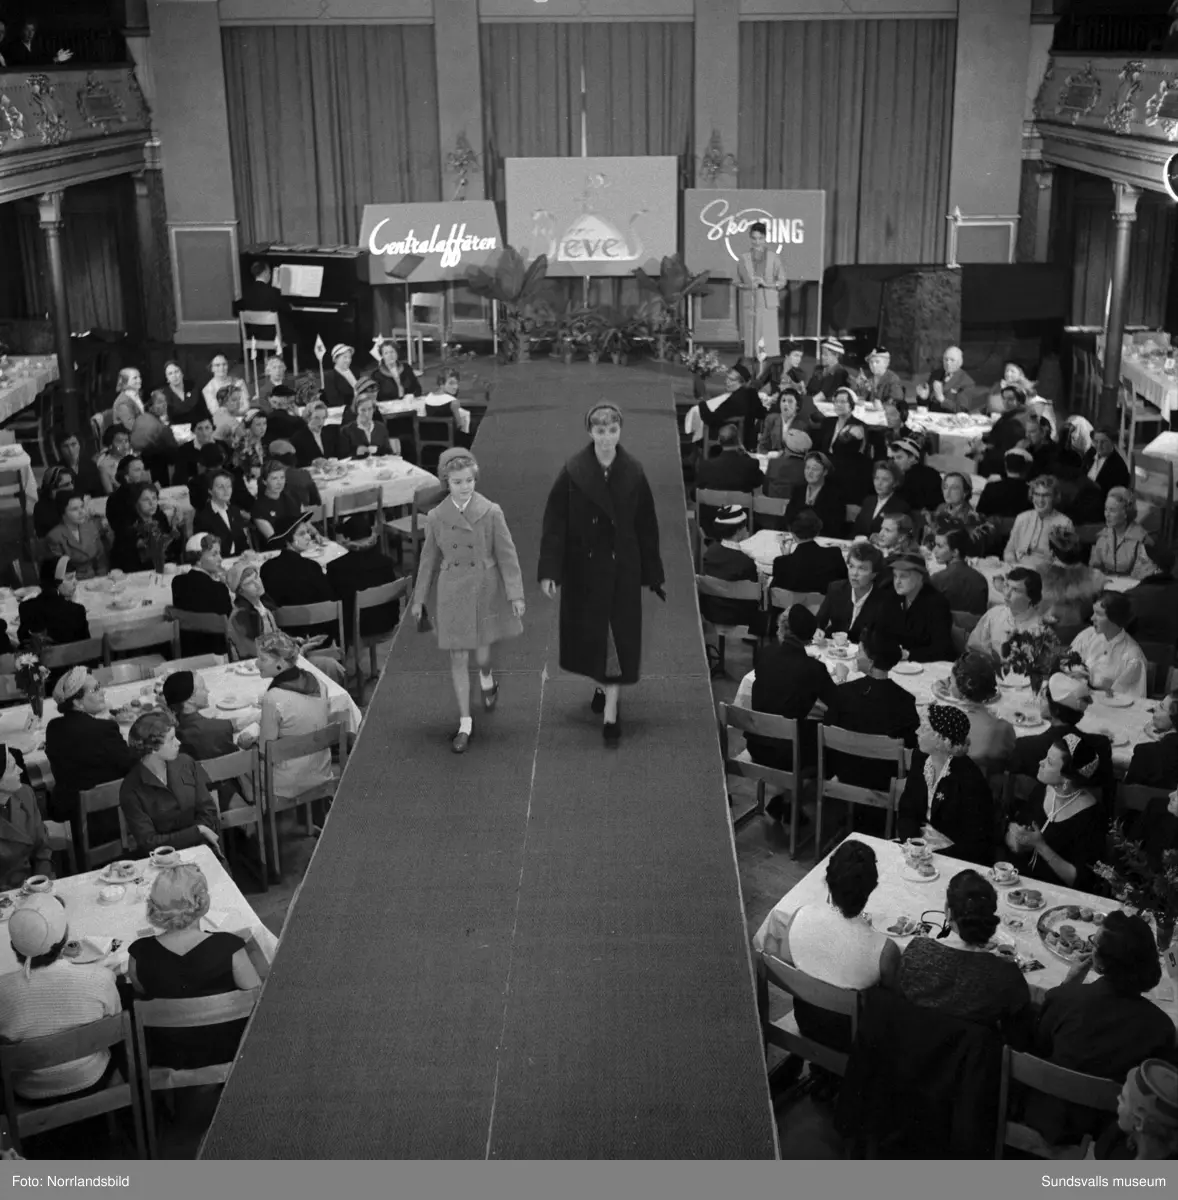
(593, 216)
(716, 229)
(450, 236)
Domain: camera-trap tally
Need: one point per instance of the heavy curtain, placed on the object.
(323, 120)
(864, 110)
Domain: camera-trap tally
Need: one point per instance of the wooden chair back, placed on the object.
(122, 672)
(206, 624)
(101, 799)
(272, 345)
(196, 662)
(163, 632)
(784, 599)
(58, 1048)
(281, 750)
(1160, 659)
(432, 434)
(768, 506)
(302, 616)
(716, 498)
(71, 654)
(784, 1033)
(411, 527)
(872, 746)
(242, 766)
(347, 504)
(370, 598)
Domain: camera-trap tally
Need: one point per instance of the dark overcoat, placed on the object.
(601, 545)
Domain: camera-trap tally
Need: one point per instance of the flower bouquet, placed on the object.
(1135, 882)
(701, 363)
(30, 678)
(1030, 655)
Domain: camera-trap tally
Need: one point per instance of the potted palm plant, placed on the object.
(519, 288)
(666, 309)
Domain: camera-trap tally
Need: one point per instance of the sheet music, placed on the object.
(300, 279)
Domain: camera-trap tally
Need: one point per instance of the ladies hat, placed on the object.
(448, 456)
(848, 392)
(196, 543)
(833, 345)
(1071, 693)
(1083, 753)
(70, 684)
(909, 562)
(742, 371)
(802, 623)
(879, 352)
(797, 442)
(908, 446)
(237, 572)
(338, 349)
(38, 923)
(824, 459)
(731, 516)
(1153, 1091)
(178, 687)
(949, 722)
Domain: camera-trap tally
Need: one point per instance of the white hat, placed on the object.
(37, 924)
(731, 516)
(833, 344)
(1071, 693)
(339, 348)
(196, 543)
(797, 442)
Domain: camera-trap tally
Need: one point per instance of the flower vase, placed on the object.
(37, 703)
(699, 387)
(1164, 929)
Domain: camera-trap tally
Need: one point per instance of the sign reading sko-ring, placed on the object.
(716, 224)
(450, 236)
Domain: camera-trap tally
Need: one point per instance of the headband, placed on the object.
(596, 408)
(1073, 742)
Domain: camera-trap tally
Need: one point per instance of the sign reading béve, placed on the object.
(449, 235)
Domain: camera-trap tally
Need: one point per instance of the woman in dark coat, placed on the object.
(600, 544)
(54, 613)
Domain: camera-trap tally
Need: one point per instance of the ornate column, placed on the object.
(1124, 214)
(1044, 187)
(49, 204)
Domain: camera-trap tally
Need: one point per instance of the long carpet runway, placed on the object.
(536, 950)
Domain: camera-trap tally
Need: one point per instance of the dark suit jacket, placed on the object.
(866, 523)
(830, 508)
(728, 471)
(83, 752)
(963, 808)
(257, 296)
(354, 572)
(955, 385)
(167, 816)
(827, 382)
(921, 488)
(788, 683)
(235, 536)
(58, 619)
(722, 562)
(1114, 473)
(197, 592)
(204, 737)
(337, 390)
(1155, 764)
(835, 614)
(743, 408)
(1155, 607)
(810, 568)
(1004, 435)
(306, 448)
(301, 487)
(924, 629)
(352, 437)
(965, 589)
(1004, 497)
(875, 706)
(289, 578)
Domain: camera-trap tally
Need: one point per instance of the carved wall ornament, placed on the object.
(1079, 95)
(99, 106)
(462, 161)
(1123, 105)
(1040, 108)
(51, 124)
(1161, 109)
(12, 122)
(714, 162)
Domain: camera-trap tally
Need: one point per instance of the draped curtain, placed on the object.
(864, 110)
(323, 120)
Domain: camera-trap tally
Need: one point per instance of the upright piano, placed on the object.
(327, 291)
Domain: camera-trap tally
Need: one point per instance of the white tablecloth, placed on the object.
(16, 458)
(23, 379)
(141, 598)
(1152, 383)
(18, 729)
(1125, 726)
(397, 479)
(229, 911)
(895, 896)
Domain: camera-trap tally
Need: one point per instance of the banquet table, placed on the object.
(23, 378)
(16, 458)
(126, 919)
(895, 896)
(1126, 725)
(397, 480)
(139, 598)
(227, 684)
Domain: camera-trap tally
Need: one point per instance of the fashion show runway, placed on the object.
(536, 950)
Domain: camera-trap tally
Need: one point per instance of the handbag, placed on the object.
(424, 624)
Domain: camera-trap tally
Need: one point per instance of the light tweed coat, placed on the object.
(477, 573)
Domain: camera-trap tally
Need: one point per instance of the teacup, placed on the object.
(1004, 871)
(37, 883)
(161, 856)
(918, 849)
(840, 640)
(170, 568)
(115, 575)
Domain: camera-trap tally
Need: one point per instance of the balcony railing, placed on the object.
(1112, 33)
(1113, 94)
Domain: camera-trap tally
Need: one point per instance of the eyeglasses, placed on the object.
(1042, 495)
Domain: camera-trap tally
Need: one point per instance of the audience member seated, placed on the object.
(189, 456)
(56, 483)
(820, 495)
(222, 518)
(164, 797)
(79, 537)
(945, 790)
(917, 615)
(954, 975)
(875, 704)
(829, 375)
(726, 560)
(895, 426)
(1007, 497)
(130, 383)
(202, 588)
(283, 421)
(1019, 614)
(786, 473)
(809, 567)
(273, 376)
(732, 470)
(1147, 1116)
(363, 567)
(833, 943)
(293, 704)
(1104, 1027)
(973, 684)
(182, 962)
(87, 478)
(1070, 586)
(276, 511)
(120, 505)
(184, 405)
(225, 397)
(843, 438)
(955, 508)
(779, 372)
(137, 543)
(367, 435)
(788, 683)
(920, 485)
(1104, 463)
(883, 384)
(200, 737)
(249, 440)
(443, 402)
(1031, 536)
(794, 410)
(1006, 432)
(317, 440)
(948, 386)
(153, 440)
(299, 484)
(339, 384)
(54, 613)
(1123, 545)
(1113, 660)
(49, 995)
(966, 589)
(1155, 762)
(83, 747)
(1045, 459)
(853, 605)
(1155, 600)
(897, 536)
(116, 446)
(394, 377)
(1065, 701)
(882, 503)
(24, 844)
(1059, 831)
(739, 405)
(124, 411)
(247, 487)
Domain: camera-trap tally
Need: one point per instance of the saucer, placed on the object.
(907, 668)
(1115, 701)
(914, 877)
(232, 703)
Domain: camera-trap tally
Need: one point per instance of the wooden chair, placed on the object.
(963, 625)
(433, 434)
(348, 504)
(36, 1053)
(122, 672)
(241, 765)
(715, 498)
(788, 783)
(61, 841)
(282, 750)
(162, 632)
(409, 529)
(872, 746)
(1153, 482)
(22, 573)
(1160, 658)
(271, 345)
(31, 427)
(9, 692)
(207, 625)
(302, 616)
(198, 1013)
(784, 1033)
(94, 800)
(1072, 1087)
(851, 513)
(72, 654)
(318, 515)
(12, 488)
(782, 599)
(768, 506)
(1135, 797)
(1135, 411)
(946, 463)
(728, 589)
(198, 662)
(370, 598)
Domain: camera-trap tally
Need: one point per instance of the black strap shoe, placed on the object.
(597, 704)
(611, 731)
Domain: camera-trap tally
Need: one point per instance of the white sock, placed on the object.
(486, 679)
(465, 725)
